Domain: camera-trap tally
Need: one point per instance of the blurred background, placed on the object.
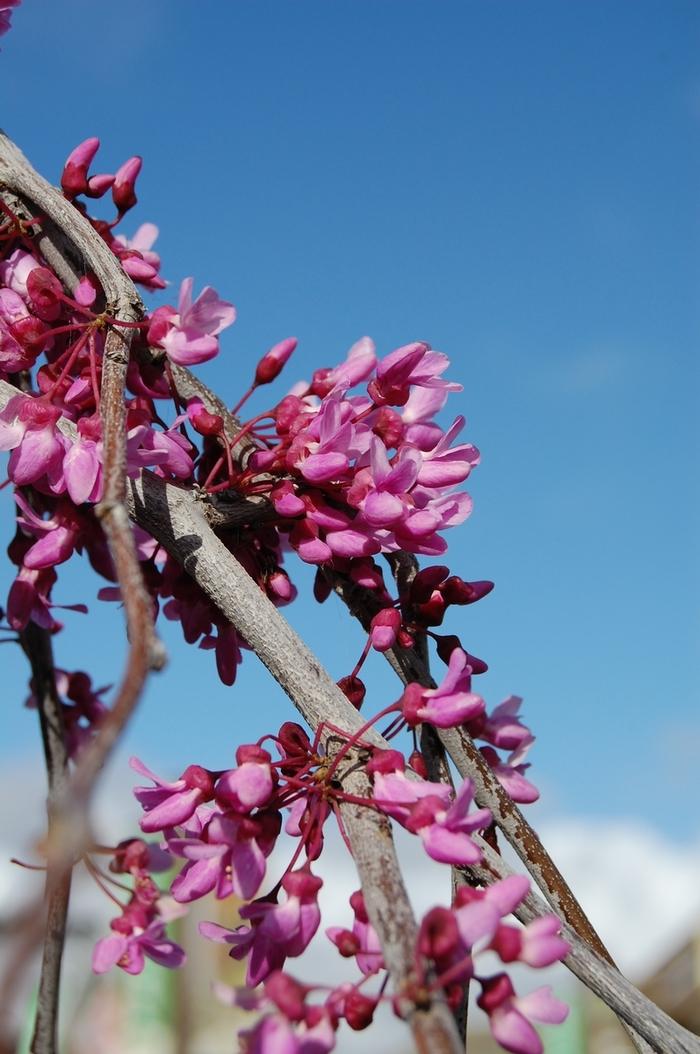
(517, 184)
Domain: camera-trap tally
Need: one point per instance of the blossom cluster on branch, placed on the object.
(351, 465)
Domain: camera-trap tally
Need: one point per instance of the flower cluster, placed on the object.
(224, 825)
(350, 465)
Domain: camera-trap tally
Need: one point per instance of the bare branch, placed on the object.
(36, 643)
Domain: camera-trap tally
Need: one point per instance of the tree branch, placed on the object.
(36, 643)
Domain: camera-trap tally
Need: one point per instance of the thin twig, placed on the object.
(36, 643)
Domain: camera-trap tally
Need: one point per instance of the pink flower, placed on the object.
(82, 465)
(362, 941)
(74, 178)
(128, 951)
(394, 792)
(412, 364)
(502, 726)
(251, 784)
(384, 629)
(137, 256)
(123, 188)
(511, 773)
(28, 429)
(277, 931)
(445, 832)
(189, 335)
(385, 501)
(274, 360)
(226, 853)
(448, 706)
(170, 804)
(510, 1015)
(479, 911)
(538, 944)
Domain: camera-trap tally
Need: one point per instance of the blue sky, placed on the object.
(515, 183)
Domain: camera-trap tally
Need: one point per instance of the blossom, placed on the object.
(511, 773)
(362, 941)
(449, 705)
(251, 784)
(189, 334)
(28, 429)
(510, 1016)
(225, 852)
(274, 360)
(169, 804)
(538, 944)
(445, 831)
(277, 930)
(128, 950)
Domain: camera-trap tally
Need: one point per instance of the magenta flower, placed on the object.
(82, 464)
(445, 832)
(479, 911)
(451, 704)
(128, 950)
(224, 852)
(538, 944)
(445, 466)
(170, 804)
(511, 773)
(362, 941)
(273, 361)
(189, 335)
(394, 792)
(385, 501)
(412, 364)
(28, 429)
(57, 536)
(250, 785)
(277, 931)
(510, 1016)
(502, 726)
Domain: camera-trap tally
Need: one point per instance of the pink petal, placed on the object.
(107, 952)
(320, 468)
(541, 1005)
(514, 1032)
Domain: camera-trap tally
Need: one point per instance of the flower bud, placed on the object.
(384, 629)
(359, 1010)
(123, 194)
(75, 170)
(273, 361)
(353, 689)
(456, 591)
(418, 764)
(426, 581)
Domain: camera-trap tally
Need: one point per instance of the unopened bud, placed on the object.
(75, 170)
(273, 361)
(123, 194)
(456, 591)
(353, 689)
